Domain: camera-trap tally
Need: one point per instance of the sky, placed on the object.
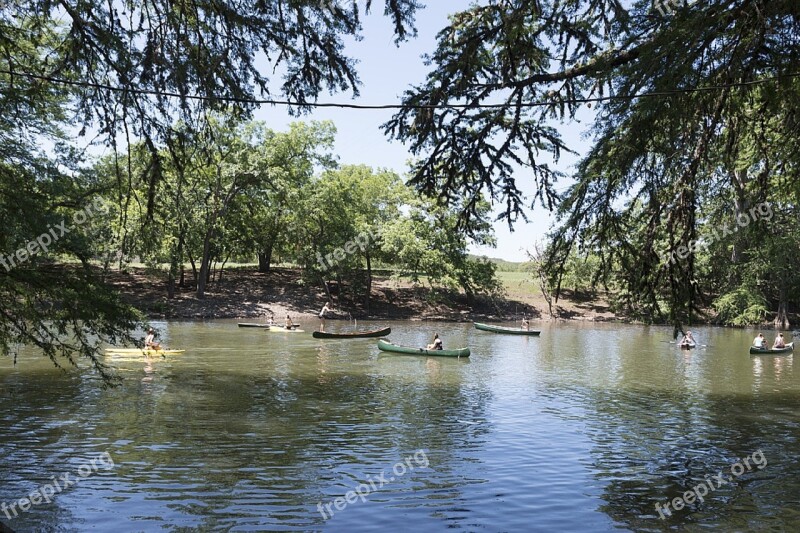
(386, 71)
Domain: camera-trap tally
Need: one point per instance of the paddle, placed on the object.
(696, 345)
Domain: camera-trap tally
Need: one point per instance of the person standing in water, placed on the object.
(322, 314)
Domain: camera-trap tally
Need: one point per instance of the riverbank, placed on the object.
(247, 293)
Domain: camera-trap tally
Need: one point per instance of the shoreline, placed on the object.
(246, 294)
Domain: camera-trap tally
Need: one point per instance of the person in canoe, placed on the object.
(760, 342)
(289, 323)
(271, 320)
(150, 341)
(688, 340)
(322, 314)
(525, 324)
(779, 342)
(436, 344)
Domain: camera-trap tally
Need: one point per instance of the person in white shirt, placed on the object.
(150, 340)
(760, 341)
(322, 315)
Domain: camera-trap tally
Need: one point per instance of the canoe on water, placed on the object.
(759, 351)
(387, 346)
(352, 335)
(140, 351)
(509, 331)
(687, 345)
(293, 329)
(273, 327)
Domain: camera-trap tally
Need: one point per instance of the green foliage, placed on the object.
(658, 167)
(149, 82)
(741, 307)
(579, 272)
(429, 243)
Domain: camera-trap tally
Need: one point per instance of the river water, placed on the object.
(585, 428)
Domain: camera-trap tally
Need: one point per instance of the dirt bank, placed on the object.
(247, 293)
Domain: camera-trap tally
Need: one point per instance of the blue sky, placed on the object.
(386, 71)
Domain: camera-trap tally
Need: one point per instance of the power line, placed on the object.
(257, 101)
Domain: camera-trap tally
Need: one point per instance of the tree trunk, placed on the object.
(194, 269)
(171, 284)
(369, 285)
(205, 264)
(174, 266)
(327, 289)
(741, 203)
(536, 257)
(222, 268)
(263, 263)
(265, 258)
(782, 318)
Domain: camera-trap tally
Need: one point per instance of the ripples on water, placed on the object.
(583, 429)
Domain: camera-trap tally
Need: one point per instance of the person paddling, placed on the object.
(525, 323)
(436, 344)
(289, 323)
(150, 341)
(688, 339)
(779, 342)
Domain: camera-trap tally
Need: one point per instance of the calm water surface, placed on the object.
(583, 429)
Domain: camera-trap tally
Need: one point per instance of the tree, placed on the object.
(503, 72)
(428, 242)
(287, 161)
(47, 210)
(338, 227)
(125, 74)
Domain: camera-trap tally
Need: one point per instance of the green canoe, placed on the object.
(389, 347)
(509, 331)
(759, 351)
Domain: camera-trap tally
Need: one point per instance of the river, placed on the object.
(585, 428)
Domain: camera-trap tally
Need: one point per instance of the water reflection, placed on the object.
(586, 427)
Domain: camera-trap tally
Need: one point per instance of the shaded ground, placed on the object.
(247, 293)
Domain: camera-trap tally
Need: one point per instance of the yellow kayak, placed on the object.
(281, 328)
(140, 351)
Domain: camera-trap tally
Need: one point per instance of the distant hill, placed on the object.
(505, 266)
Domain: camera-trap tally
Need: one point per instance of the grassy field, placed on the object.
(519, 285)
